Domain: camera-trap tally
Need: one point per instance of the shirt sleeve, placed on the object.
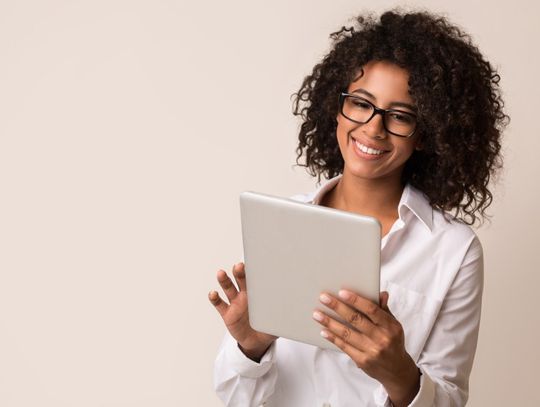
(241, 382)
(447, 358)
(425, 396)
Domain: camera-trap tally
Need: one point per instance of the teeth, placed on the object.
(368, 150)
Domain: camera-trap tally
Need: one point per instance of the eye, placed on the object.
(360, 104)
(402, 117)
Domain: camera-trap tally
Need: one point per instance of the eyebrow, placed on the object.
(394, 104)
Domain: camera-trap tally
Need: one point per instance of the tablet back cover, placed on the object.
(293, 251)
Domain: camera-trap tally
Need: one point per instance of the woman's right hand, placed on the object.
(253, 344)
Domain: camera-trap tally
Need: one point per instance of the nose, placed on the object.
(375, 127)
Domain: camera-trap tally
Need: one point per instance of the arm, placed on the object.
(374, 340)
(244, 374)
(240, 381)
(454, 337)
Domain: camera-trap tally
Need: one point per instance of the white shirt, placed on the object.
(432, 268)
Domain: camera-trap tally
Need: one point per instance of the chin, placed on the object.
(368, 174)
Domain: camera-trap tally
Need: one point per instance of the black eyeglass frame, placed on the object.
(376, 110)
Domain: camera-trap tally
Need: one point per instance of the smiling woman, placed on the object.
(376, 143)
(452, 87)
(369, 149)
(404, 116)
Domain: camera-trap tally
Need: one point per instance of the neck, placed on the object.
(377, 198)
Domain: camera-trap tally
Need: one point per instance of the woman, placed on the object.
(404, 116)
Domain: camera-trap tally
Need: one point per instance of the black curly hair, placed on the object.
(456, 91)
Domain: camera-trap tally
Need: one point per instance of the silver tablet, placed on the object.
(293, 251)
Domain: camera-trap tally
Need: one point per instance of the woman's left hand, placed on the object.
(374, 340)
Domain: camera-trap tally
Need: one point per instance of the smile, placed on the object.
(367, 150)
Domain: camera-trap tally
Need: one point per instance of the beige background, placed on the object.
(127, 130)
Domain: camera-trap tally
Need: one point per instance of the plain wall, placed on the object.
(127, 130)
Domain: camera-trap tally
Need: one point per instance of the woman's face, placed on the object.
(369, 151)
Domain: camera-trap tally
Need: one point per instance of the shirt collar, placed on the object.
(411, 199)
(415, 201)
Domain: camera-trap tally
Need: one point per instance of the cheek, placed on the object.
(342, 134)
(405, 151)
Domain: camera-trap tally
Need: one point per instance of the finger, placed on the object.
(227, 285)
(346, 333)
(217, 302)
(239, 273)
(375, 313)
(355, 354)
(384, 296)
(383, 300)
(351, 315)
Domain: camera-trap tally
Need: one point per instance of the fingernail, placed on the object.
(346, 295)
(325, 299)
(324, 334)
(318, 316)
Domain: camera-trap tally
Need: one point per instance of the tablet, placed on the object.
(293, 251)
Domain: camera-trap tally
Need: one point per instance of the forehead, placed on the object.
(385, 80)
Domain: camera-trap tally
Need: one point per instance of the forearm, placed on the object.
(240, 381)
(405, 387)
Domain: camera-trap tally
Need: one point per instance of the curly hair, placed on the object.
(456, 91)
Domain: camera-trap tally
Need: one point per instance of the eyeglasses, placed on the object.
(359, 110)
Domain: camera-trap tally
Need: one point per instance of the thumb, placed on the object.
(383, 299)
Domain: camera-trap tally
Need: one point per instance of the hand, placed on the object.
(254, 344)
(374, 340)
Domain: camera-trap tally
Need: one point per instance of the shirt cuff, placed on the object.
(424, 398)
(243, 365)
(381, 397)
(426, 395)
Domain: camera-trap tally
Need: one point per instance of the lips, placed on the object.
(369, 150)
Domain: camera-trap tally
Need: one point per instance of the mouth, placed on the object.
(370, 151)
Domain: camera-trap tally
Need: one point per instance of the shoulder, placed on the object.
(442, 225)
(444, 222)
(306, 198)
(456, 236)
(451, 240)
(315, 197)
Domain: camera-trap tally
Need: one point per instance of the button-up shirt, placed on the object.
(432, 267)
